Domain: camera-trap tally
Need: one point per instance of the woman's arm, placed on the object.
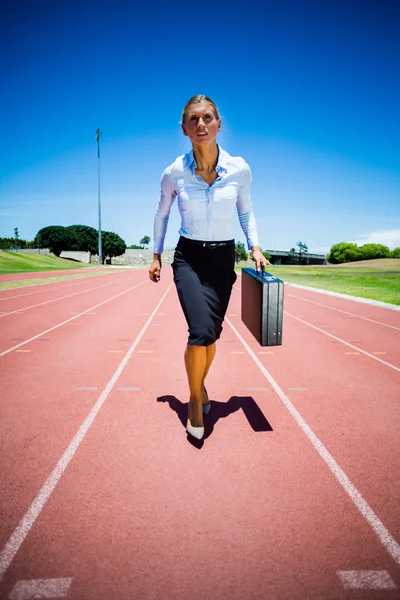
(247, 219)
(167, 197)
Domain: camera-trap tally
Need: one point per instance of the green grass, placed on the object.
(381, 284)
(18, 262)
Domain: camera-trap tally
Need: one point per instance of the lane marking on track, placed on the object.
(298, 389)
(379, 353)
(115, 351)
(265, 353)
(237, 352)
(128, 389)
(258, 389)
(346, 343)
(41, 588)
(352, 353)
(19, 534)
(21, 310)
(370, 580)
(68, 321)
(145, 351)
(387, 540)
(23, 351)
(61, 287)
(88, 389)
(350, 315)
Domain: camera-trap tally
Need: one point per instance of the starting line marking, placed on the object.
(371, 580)
(379, 353)
(115, 351)
(23, 351)
(17, 537)
(298, 389)
(386, 539)
(129, 389)
(87, 389)
(265, 353)
(145, 351)
(41, 588)
(237, 352)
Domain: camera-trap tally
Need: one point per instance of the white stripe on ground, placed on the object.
(61, 287)
(343, 342)
(41, 588)
(17, 537)
(68, 321)
(376, 524)
(347, 296)
(366, 580)
(343, 311)
(97, 287)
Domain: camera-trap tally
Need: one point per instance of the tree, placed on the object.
(83, 238)
(240, 252)
(395, 252)
(112, 244)
(145, 241)
(343, 252)
(54, 237)
(303, 248)
(370, 251)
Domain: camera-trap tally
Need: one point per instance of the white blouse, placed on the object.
(207, 211)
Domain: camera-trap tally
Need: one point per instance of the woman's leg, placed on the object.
(195, 363)
(210, 354)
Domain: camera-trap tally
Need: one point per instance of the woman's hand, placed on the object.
(259, 258)
(155, 269)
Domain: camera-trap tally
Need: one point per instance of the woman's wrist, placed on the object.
(156, 256)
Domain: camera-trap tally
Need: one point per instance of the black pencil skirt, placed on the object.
(204, 275)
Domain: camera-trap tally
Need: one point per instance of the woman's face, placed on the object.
(201, 125)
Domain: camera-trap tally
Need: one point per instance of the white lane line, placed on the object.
(366, 580)
(68, 321)
(61, 287)
(346, 343)
(41, 588)
(17, 537)
(299, 389)
(352, 315)
(390, 544)
(21, 310)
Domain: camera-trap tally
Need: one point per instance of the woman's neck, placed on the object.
(206, 156)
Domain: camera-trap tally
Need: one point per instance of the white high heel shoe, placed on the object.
(196, 432)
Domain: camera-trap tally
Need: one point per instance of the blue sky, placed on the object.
(308, 92)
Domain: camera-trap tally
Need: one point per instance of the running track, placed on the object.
(294, 493)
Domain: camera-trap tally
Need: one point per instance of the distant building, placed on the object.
(284, 257)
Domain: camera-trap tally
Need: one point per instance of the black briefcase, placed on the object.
(262, 306)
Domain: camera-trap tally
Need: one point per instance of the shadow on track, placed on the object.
(220, 410)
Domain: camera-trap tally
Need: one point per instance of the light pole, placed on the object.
(98, 134)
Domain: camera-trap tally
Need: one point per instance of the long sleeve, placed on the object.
(245, 210)
(167, 197)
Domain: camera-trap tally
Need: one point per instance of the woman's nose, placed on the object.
(200, 123)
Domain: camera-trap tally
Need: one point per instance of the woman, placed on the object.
(209, 184)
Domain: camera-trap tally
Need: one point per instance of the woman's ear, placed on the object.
(184, 129)
(219, 124)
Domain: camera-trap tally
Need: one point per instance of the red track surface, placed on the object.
(41, 274)
(138, 511)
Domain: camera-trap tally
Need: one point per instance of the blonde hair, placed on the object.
(196, 100)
